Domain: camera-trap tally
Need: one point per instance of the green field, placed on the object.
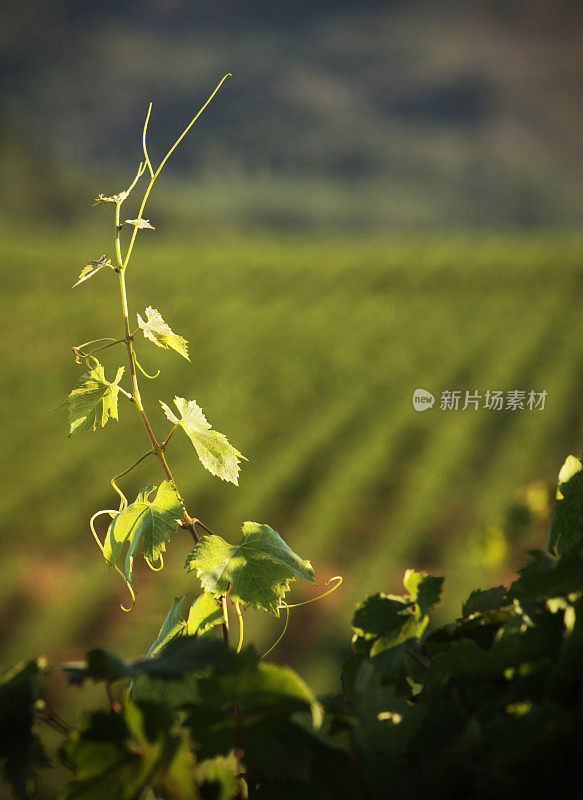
(305, 353)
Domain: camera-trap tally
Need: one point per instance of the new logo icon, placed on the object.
(422, 400)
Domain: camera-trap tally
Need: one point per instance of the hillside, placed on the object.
(339, 114)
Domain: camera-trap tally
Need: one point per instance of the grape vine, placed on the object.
(488, 704)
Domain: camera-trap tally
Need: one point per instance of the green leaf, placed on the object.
(412, 628)
(423, 588)
(203, 615)
(384, 625)
(93, 401)
(481, 601)
(92, 268)
(181, 655)
(380, 614)
(100, 665)
(567, 521)
(173, 692)
(221, 773)
(385, 721)
(261, 690)
(21, 750)
(144, 522)
(157, 331)
(545, 577)
(188, 617)
(258, 570)
(174, 625)
(215, 452)
(119, 755)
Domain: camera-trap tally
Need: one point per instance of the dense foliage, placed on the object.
(487, 705)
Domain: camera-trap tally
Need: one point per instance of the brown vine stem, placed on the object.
(167, 439)
(133, 466)
(417, 660)
(55, 724)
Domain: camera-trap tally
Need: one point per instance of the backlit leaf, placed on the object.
(258, 570)
(157, 331)
(92, 268)
(221, 773)
(423, 588)
(188, 616)
(145, 522)
(215, 452)
(93, 401)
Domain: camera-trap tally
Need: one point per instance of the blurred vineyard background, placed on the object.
(385, 196)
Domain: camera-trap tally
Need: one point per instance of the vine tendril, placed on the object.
(111, 513)
(129, 587)
(282, 634)
(143, 371)
(337, 578)
(287, 606)
(240, 617)
(123, 499)
(153, 567)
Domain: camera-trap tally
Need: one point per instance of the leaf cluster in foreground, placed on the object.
(488, 705)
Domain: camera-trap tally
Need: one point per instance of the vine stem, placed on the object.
(157, 448)
(122, 263)
(134, 465)
(167, 439)
(53, 723)
(154, 175)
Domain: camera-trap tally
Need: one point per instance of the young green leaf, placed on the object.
(93, 400)
(92, 268)
(258, 570)
(188, 616)
(157, 331)
(116, 198)
(144, 522)
(215, 452)
(204, 614)
(423, 588)
(174, 625)
(140, 223)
